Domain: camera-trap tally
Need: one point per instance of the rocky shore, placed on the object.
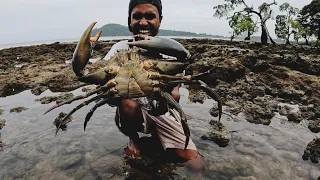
(254, 81)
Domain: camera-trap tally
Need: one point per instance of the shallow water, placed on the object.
(33, 152)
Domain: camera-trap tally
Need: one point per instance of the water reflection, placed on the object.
(33, 152)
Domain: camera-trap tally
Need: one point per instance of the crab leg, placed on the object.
(73, 99)
(83, 51)
(169, 67)
(104, 88)
(163, 45)
(90, 113)
(177, 106)
(205, 88)
(64, 120)
(213, 95)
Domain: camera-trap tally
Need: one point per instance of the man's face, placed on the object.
(145, 19)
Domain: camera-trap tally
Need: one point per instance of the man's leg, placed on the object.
(130, 119)
(192, 157)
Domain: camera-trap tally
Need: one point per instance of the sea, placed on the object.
(31, 43)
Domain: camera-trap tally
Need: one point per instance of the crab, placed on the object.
(132, 74)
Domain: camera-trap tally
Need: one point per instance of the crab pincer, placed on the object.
(166, 46)
(83, 50)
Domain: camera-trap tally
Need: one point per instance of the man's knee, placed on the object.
(130, 108)
(175, 93)
(129, 118)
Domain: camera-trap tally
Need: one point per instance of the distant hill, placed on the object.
(120, 30)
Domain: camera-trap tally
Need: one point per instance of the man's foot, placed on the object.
(194, 160)
(132, 151)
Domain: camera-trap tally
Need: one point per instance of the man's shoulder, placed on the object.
(121, 45)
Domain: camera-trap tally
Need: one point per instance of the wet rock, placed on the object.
(197, 97)
(1, 145)
(314, 126)
(1, 112)
(228, 70)
(58, 119)
(2, 123)
(12, 87)
(291, 93)
(294, 117)
(38, 90)
(218, 134)
(308, 112)
(257, 91)
(58, 99)
(257, 114)
(18, 109)
(214, 111)
(312, 151)
(62, 83)
(261, 66)
(285, 110)
(234, 107)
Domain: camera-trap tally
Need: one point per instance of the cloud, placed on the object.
(34, 20)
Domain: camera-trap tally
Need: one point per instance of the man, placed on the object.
(133, 115)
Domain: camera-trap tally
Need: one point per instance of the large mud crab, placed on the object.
(130, 74)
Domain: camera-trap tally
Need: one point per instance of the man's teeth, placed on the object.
(144, 31)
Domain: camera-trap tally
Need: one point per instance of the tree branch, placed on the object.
(274, 3)
(244, 3)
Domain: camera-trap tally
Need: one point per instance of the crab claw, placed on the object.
(82, 53)
(163, 45)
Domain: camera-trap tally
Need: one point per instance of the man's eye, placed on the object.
(150, 16)
(137, 16)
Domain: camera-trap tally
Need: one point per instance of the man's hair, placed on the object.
(134, 3)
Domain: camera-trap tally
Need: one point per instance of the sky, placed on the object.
(36, 20)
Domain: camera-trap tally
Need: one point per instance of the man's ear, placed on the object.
(161, 18)
(129, 24)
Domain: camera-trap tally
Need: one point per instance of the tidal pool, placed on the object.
(33, 152)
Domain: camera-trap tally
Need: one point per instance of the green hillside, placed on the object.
(120, 30)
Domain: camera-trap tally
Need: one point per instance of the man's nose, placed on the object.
(143, 22)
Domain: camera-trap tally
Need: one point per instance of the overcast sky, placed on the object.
(35, 20)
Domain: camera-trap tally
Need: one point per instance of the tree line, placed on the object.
(301, 24)
(120, 30)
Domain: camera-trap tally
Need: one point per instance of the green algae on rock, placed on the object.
(18, 109)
